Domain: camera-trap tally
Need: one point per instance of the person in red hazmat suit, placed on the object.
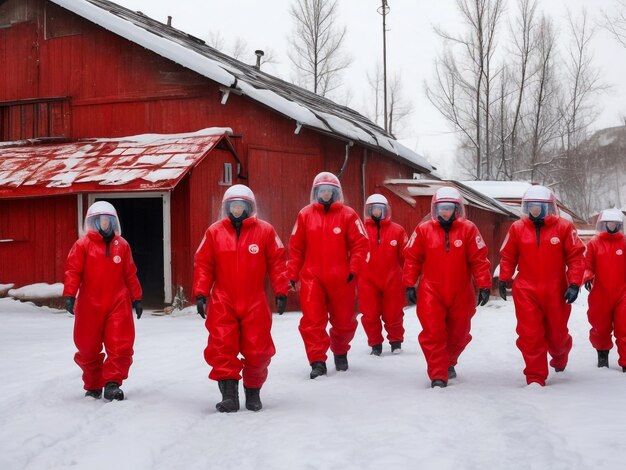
(328, 248)
(449, 257)
(605, 278)
(231, 263)
(101, 289)
(549, 258)
(381, 295)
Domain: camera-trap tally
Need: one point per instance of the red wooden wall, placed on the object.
(110, 87)
(43, 233)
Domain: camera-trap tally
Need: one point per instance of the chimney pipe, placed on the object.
(169, 20)
(259, 53)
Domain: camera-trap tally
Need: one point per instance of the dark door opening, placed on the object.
(142, 228)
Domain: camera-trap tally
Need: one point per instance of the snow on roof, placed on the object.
(146, 162)
(304, 107)
(500, 189)
(425, 187)
(514, 190)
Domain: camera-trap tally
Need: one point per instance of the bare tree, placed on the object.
(582, 82)
(525, 42)
(239, 49)
(462, 91)
(543, 119)
(216, 41)
(317, 42)
(399, 106)
(615, 21)
(374, 108)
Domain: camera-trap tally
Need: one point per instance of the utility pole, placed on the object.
(383, 10)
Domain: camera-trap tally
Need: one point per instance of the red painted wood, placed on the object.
(117, 88)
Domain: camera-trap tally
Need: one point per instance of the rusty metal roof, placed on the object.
(149, 162)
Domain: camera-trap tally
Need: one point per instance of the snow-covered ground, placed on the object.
(381, 414)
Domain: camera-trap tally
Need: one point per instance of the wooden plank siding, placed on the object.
(116, 88)
(43, 233)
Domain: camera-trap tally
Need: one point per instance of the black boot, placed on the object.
(317, 368)
(603, 358)
(377, 350)
(230, 396)
(341, 362)
(96, 393)
(624, 369)
(438, 383)
(451, 373)
(253, 398)
(112, 391)
(396, 347)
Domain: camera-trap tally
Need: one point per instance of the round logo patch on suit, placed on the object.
(619, 252)
(117, 259)
(555, 240)
(116, 242)
(393, 242)
(458, 243)
(337, 230)
(254, 249)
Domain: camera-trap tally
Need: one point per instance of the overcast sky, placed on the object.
(411, 49)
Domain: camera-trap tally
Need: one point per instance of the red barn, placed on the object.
(90, 69)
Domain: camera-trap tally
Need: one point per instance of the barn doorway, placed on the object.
(142, 227)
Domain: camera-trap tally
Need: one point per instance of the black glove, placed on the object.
(588, 285)
(69, 304)
(411, 295)
(281, 304)
(571, 293)
(483, 297)
(200, 303)
(502, 289)
(138, 308)
(350, 277)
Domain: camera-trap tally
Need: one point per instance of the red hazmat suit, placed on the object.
(324, 248)
(381, 294)
(230, 271)
(446, 298)
(605, 265)
(106, 284)
(547, 263)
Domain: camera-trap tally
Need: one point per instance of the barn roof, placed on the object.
(306, 108)
(512, 192)
(407, 189)
(148, 162)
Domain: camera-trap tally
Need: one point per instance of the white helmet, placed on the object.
(446, 198)
(239, 201)
(326, 181)
(377, 204)
(611, 221)
(102, 218)
(539, 202)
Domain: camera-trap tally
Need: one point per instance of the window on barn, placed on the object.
(227, 179)
(15, 12)
(61, 23)
(36, 118)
